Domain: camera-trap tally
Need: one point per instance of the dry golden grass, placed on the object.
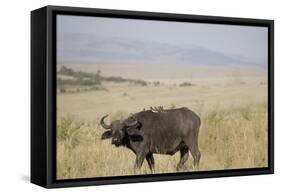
(90, 105)
(228, 139)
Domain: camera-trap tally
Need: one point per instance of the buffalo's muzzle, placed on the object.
(116, 142)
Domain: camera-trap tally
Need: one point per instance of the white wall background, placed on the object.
(15, 94)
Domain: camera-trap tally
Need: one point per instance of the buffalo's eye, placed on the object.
(118, 133)
(132, 119)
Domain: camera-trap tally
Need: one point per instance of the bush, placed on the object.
(156, 83)
(185, 84)
(62, 90)
(140, 82)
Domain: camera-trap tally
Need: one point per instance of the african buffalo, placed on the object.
(163, 132)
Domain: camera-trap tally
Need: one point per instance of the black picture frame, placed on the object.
(43, 96)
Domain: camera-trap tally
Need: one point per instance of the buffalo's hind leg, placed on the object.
(184, 157)
(150, 160)
(194, 150)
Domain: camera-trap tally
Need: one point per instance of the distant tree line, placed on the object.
(91, 79)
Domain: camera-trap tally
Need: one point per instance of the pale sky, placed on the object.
(235, 41)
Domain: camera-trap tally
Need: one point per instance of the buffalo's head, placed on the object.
(118, 130)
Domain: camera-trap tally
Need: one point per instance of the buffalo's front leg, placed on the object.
(150, 161)
(139, 161)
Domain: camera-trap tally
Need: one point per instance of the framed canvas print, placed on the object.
(126, 96)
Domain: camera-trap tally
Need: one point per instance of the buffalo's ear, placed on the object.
(135, 134)
(106, 135)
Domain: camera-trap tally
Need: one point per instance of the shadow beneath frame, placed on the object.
(25, 178)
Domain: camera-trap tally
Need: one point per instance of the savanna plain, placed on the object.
(231, 102)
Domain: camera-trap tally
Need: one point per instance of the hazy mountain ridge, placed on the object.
(86, 48)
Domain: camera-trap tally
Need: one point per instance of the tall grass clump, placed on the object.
(234, 138)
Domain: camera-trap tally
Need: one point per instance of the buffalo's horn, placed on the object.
(103, 124)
